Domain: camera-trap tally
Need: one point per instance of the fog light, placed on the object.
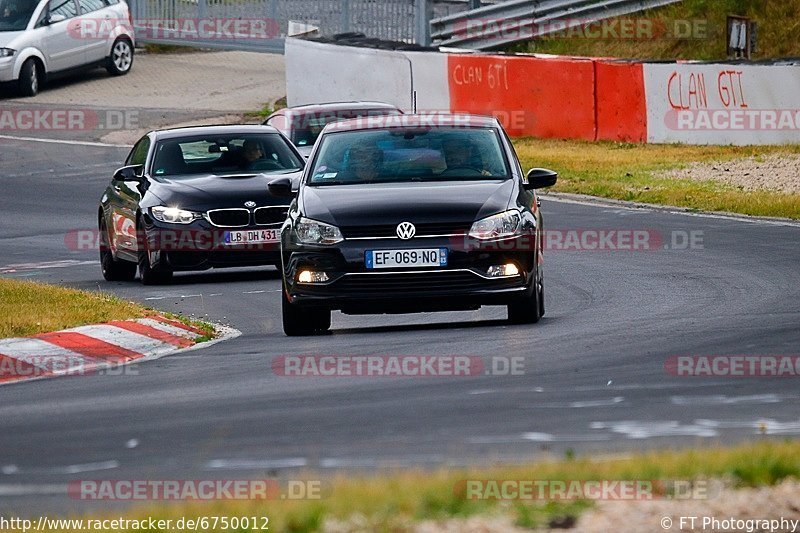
(310, 276)
(502, 271)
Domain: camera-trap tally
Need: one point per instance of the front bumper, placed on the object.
(463, 283)
(7, 69)
(200, 246)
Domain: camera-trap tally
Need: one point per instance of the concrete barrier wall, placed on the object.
(722, 104)
(562, 97)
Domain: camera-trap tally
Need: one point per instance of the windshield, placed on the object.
(15, 14)
(402, 154)
(225, 154)
(307, 127)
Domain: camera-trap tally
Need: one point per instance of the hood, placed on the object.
(7, 38)
(305, 151)
(205, 191)
(392, 203)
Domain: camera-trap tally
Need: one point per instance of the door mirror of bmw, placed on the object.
(130, 173)
(539, 178)
(281, 188)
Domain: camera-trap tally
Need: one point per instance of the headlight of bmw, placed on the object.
(497, 226)
(314, 232)
(7, 52)
(173, 215)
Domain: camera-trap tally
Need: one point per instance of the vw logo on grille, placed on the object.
(406, 230)
(250, 204)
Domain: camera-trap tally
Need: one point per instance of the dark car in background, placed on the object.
(303, 124)
(196, 198)
(412, 213)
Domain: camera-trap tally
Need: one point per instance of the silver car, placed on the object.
(44, 38)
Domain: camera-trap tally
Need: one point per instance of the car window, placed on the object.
(66, 8)
(15, 14)
(307, 127)
(409, 154)
(138, 155)
(87, 6)
(225, 154)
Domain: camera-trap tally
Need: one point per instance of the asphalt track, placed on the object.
(594, 377)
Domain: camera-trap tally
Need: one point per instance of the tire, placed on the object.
(120, 61)
(530, 309)
(299, 322)
(149, 275)
(30, 78)
(113, 269)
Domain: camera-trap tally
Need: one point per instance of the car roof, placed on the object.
(337, 106)
(192, 131)
(422, 120)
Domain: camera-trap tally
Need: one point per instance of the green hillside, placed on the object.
(691, 29)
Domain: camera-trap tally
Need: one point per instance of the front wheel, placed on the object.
(530, 309)
(300, 322)
(113, 269)
(29, 78)
(148, 274)
(121, 59)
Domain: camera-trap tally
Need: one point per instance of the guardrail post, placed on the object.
(202, 10)
(422, 13)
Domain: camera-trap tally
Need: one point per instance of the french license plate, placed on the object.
(251, 236)
(424, 257)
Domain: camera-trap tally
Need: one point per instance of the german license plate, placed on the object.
(422, 257)
(251, 236)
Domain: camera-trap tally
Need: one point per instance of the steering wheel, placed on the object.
(461, 171)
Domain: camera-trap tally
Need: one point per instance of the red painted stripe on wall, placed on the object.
(621, 104)
(530, 96)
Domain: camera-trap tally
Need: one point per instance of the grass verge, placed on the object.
(28, 308)
(396, 501)
(625, 171)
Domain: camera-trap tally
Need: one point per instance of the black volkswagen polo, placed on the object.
(196, 198)
(412, 213)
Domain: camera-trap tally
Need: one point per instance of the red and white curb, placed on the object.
(88, 349)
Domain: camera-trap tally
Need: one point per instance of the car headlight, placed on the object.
(497, 226)
(315, 232)
(173, 215)
(7, 52)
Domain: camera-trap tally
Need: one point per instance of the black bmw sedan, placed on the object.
(193, 199)
(412, 213)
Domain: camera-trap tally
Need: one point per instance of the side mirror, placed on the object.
(54, 18)
(130, 173)
(540, 177)
(281, 188)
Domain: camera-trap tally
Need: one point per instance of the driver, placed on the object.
(459, 156)
(365, 162)
(251, 152)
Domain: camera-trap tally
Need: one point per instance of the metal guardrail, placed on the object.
(391, 20)
(504, 23)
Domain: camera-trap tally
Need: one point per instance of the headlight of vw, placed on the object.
(7, 52)
(173, 215)
(315, 232)
(497, 226)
